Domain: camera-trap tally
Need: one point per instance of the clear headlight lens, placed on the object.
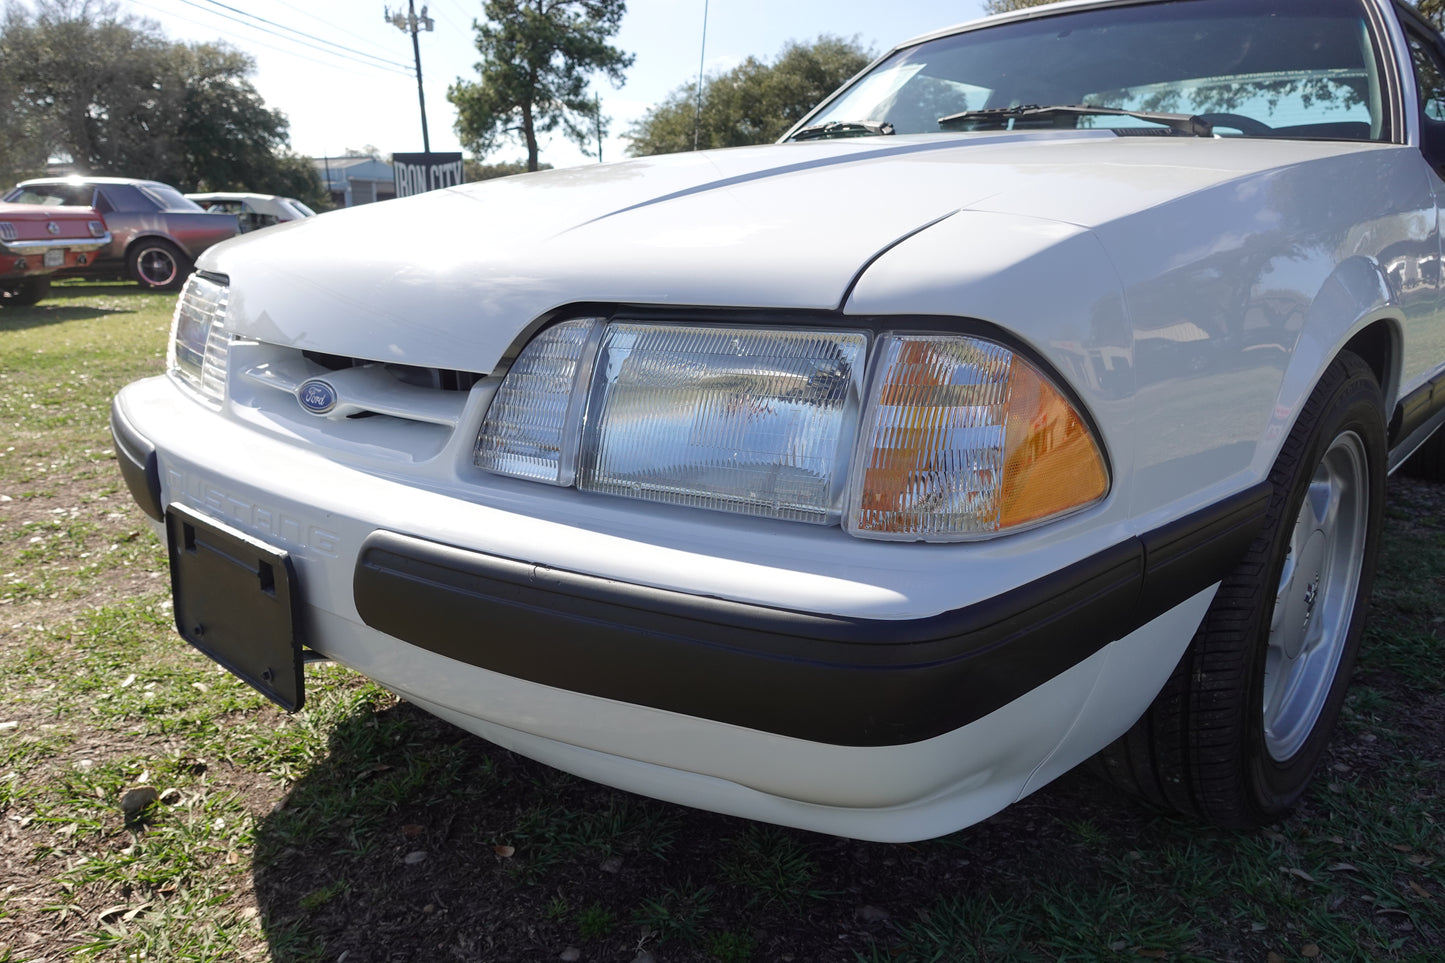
(738, 419)
(961, 438)
(531, 425)
(965, 439)
(198, 349)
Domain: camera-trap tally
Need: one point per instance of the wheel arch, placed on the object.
(1354, 311)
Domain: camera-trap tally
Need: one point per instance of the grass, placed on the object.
(362, 829)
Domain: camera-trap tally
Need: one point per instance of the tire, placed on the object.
(24, 292)
(157, 264)
(1237, 732)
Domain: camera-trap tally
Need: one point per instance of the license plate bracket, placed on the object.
(237, 600)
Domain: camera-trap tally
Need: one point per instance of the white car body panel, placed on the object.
(1188, 293)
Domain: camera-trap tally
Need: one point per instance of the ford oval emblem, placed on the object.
(316, 396)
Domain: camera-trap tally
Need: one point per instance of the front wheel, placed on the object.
(1238, 730)
(157, 264)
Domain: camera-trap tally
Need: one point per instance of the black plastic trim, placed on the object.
(138, 463)
(1417, 408)
(836, 680)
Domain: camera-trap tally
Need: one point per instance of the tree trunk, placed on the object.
(531, 136)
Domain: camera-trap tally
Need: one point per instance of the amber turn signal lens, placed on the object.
(965, 439)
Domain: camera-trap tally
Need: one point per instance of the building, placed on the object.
(356, 179)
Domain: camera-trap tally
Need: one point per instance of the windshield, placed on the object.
(1277, 68)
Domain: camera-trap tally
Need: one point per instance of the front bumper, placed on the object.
(814, 716)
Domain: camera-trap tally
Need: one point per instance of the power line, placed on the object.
(282, 26)
(373, 61)
(171, 14)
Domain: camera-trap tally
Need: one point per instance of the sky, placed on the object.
(366, 94)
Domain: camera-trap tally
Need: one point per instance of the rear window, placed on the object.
(52, 195)
(169, 199)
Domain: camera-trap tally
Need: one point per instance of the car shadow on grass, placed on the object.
(413, 840)
(56, 309)
(408, 839)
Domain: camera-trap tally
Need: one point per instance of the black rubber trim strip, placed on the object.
(138, 463)
(842, 681)
(1418, 407)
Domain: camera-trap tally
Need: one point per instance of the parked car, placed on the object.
(868, 481)
(254, 210)
(156, 233)
(37, 241)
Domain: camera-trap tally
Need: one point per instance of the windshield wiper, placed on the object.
(843, 128)
(1183, 123)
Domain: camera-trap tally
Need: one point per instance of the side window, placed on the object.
(123, 197)
(1430, 88)
(1429, 77)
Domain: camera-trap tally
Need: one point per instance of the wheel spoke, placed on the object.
(1318, 579)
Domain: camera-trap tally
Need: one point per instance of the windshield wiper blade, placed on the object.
(1183, 123)
(843, 128)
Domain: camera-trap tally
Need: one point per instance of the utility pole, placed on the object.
(409, 22)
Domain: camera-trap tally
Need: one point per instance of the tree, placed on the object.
(536, 58)
(474, 170)
(1434, 11)
(110, 94)
(754, 103)
(1004, 6)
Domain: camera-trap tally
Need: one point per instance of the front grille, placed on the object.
(391, 411)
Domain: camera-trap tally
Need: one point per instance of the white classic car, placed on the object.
(1033, 398)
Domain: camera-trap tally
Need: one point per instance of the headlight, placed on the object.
(748, 420)
(961, 438)
(197, 355)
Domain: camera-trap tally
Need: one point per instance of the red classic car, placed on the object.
(36, 241)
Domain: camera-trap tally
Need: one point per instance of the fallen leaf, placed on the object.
(411, 859)
(1344, 868)
(1296, 871)
(506, 852)
(1419, 890)
(1402, 848)
(412, 829)
(1274, 957)
(1310, 951)
(232, 858)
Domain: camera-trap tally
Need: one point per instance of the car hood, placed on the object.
(452, 278)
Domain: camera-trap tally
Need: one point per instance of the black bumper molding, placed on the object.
(834, 680)
(138, 463)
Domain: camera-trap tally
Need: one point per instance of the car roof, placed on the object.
(233, 196)
(78, 179)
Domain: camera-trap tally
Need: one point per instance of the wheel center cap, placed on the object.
(1304, 596)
